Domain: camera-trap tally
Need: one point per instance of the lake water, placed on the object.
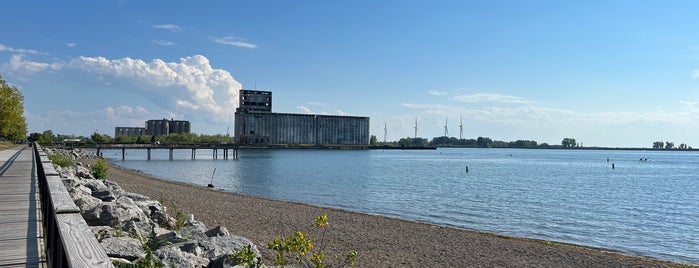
(648, 208)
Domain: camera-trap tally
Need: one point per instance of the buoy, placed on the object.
(466, 169)
(612, 165)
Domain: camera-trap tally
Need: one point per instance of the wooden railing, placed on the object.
(69, 242)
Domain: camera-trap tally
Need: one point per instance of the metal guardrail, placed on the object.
(68, 239)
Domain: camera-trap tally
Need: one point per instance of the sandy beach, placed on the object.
(380, 241)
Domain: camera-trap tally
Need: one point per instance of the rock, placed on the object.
(95, 185)
(106, 196)
(83, 173)
(121, 261)
(86, 202)
(154, 210)
(172, 256)
(115, 214)
(123, 247)
(193, 230)
(218, 231)
(222, 245)
(102, 232)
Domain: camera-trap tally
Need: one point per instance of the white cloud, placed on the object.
(4, 48)
(191, 87)
(695, 73)
(190, 84)
(340, 112)
(168, 27)
(163, 43)
(438, 93)
(18, 65)
(71, 44)
(304, 109)
(233, 41)
(481, 97)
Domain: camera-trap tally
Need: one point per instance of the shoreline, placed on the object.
(381, 241)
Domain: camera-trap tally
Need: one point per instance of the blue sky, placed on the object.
(607, 73)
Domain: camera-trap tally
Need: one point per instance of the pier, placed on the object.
(224, 148)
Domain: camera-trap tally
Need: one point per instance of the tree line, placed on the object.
(47, 138)
(668, 145)
(480, 142)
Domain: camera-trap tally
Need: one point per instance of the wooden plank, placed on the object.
(81, 247)
(60, 199)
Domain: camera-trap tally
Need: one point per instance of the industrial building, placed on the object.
(156, 127)
(256, 124)
(129, 131)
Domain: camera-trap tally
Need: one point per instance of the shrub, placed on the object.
(60, 159)
(99, 170)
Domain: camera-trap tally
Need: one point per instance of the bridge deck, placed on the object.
(19, 227)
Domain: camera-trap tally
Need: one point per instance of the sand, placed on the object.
(380, 241)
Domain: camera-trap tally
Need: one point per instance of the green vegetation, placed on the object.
(304, 252)
(246, 256)
(99, 170)
(13, 125)
(60, 160)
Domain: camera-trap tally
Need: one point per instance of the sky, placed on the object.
(606, 73)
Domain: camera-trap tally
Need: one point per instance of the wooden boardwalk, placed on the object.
(19, 221)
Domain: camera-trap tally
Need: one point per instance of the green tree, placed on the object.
(658, 145)
(97, 138)
(568, 142)
(13, 125)
(46, 138)
(372, 140)
(34, 137)
(669, 145)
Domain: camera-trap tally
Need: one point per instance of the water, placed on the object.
(647, 208)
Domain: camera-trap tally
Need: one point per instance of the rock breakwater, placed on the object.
(133, 229)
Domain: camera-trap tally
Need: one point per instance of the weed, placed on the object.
(60, 159)
(99, 170)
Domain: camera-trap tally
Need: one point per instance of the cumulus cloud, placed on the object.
(190, 84)
(304, 109)
(438, 93)
(17, 64)
(233, 41)
(482, 97)
(168, 27)
(163, 43)
(71, 44)
(4, 48)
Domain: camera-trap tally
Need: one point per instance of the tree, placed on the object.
(568, 142)
(658, 145)
(46, 138)
(484, 142)
(13, 125)
(372, 140)
(669, 145)
(33, 137)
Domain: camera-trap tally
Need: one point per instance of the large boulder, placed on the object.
(86, 202)
(172, 256)
(123, 247)
(115, 214)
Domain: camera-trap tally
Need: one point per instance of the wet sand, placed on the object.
(380, 241)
